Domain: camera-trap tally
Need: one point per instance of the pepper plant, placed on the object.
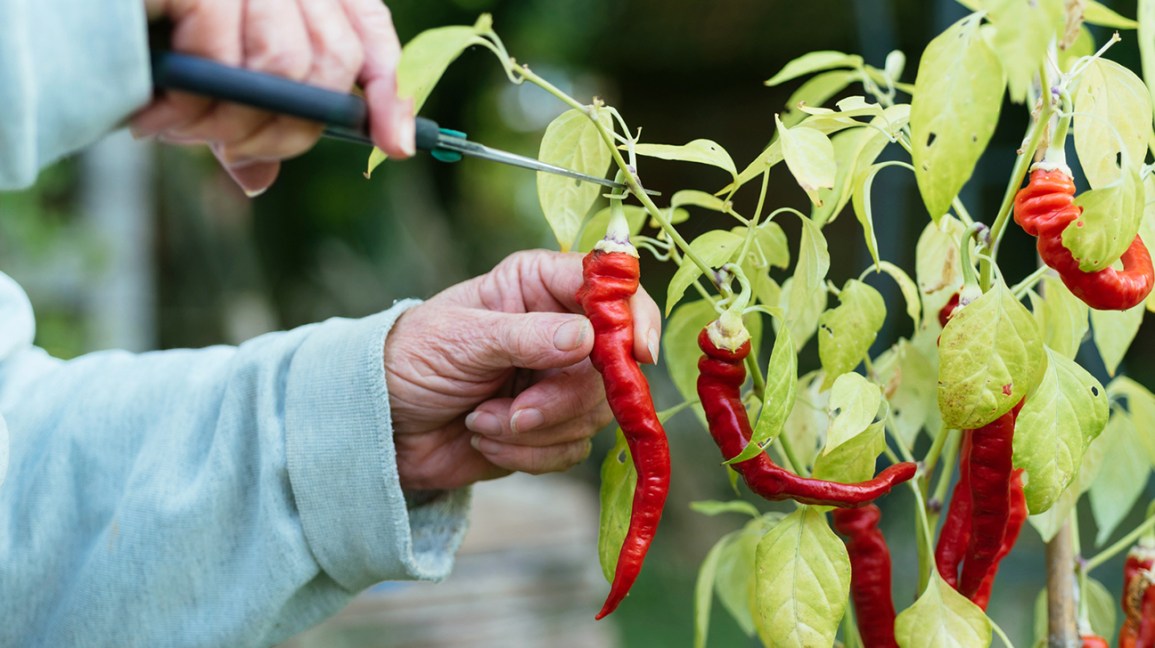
(988, 383)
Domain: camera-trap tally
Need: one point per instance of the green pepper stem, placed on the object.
(1121, 545)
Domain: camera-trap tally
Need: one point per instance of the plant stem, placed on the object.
(1001, 635)
(1021, 288)
(931, 459)
(1062, 631)
(1123, 543)
(952, 450)
(927, 550)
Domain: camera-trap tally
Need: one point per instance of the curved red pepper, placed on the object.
(956, 528)
(720, 377)
(1094, 641)
(869, 574)
(610, 279)
(1044, 208)
(990, 474)
(1015, 521)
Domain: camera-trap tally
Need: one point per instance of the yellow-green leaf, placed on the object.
(1112, 118)
(938, 269)
(1141, 407)
(1023, 30)
(572, 141)
(957, 97)
(1113, 332)
(814, 62)
(908, 380)
(735, 581)
(1117, 489)
(1059, 419)
(594, 229)
(804, 295)
(809, 155)
(702, 151)
(846, 332)
(853, 460)
(777, 398)
(1097, 14)
(908, 288)
(816, 92)
(990, 356)
(1062, 318)
(854, 405)
(1048, 524)
(1109, 222)
(715, 248)
(695, 198)
(803, 580)
(942, 618)
(808, 421)
(423, 60)
(618, 481)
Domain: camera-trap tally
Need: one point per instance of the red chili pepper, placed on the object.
(945, 313)
(1128, 634)
(1044, 208)
(956, 528)
(990, 474)
(1015, 522)
(720, 377)
(610, 279)
(1094, 641)
(869, 574)
(1141, 558)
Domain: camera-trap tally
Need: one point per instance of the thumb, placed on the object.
(530, 340)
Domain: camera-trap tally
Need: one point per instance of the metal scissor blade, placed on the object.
(473, 149)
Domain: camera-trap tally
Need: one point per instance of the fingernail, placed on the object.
(526, 419)
(408, 133)
(253, 193)
(653, 345)
(482, 444)
(571, 335)
(483, 422)
(475, 441)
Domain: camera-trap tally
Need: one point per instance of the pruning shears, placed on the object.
(344, 115)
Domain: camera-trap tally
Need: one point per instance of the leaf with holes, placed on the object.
(957, 97)
(1112, 120)
(1108, 223)
(846, 332)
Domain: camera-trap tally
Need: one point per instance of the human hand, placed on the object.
(328, 43)
(453, 365)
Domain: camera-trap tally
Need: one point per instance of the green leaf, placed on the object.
(1062, 318)
(1023, 30)
(1147, 43)
(777, 398)
(1113, 332)
(854, 152)
(809, 155)
(423, 60)
(572, 141)
(702, 151)
(957, 97)
(908, 288)
(1097, 14)
(853, 460)
(618, 481)
(816, 92)
(595, 228)
(772, 154)
(1108, 224)
(712, 508)
(990, 356)
(846, 332)
(804, 295)
(815, 62)
(715, 248)
(1048, 524)
(771, 242)
(854, 404)
(809, 421)
(803, 580)
(1100, 608)
(1141, 407)
(908, 379)
(938, 268)
(1112, 118)
(1084, 45)
(864, 208)
(704, 590)
(735, 582)
(697, 198)
(942, 618)
(1115, 491)
(1059, 419)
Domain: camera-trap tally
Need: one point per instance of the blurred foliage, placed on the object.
(326, 242)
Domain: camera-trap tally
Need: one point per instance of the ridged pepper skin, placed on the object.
(1044, 208)
(1015, 521)
(610, 279)
(869, 574)
(956, 527)
(990, 476)
(720, 376)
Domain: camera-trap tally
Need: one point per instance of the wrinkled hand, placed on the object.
(329, 43)
(454, 364)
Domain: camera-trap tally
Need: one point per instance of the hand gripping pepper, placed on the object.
(610, 279)
(869, 574)
(720, 376)
(1044, 208)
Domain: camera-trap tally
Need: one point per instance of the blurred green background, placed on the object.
(143, 246)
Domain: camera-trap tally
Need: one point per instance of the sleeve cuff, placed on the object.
(361, 527)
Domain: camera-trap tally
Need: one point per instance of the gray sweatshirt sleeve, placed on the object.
(229, 496)
(70, 71)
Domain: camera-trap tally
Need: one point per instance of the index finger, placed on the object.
(390, 118)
